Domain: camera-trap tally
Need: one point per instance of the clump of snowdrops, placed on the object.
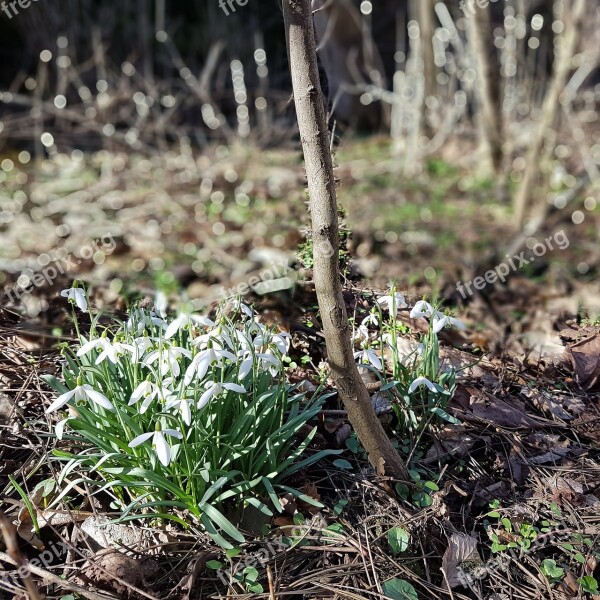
(422, 390)
(187, 418)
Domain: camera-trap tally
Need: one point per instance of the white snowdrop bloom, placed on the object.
(422, 309)
(420, 381)
(244, 341)
(214, 389)
(268, 361)
(440, 321)
(243, 308)
(360, 334)
(161, 304)
(392, 302)
(81, 392)
(59, 428)
(245, 367)
(140, 346)
(203, 360)
(217, 337)
(168, 359)
(139, 321)
(282, 342)
(185, 319)
(368, 356)
(149, 391)
(371, 319)
(76, 296)
(183, 406)
(110, 350)
(159, 443)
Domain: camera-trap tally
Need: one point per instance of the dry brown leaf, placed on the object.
(479, 406)
(461, 548)
(586, 361)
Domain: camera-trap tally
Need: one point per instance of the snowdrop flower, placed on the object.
(76, 296)
(108, 350)
(59, 429)
(368, 356)
(422, 309)
(263, 360)
(140, 346)
(185, 319)
(392, 302)
(214, 389)
(440, 321)
(215, 337)
(159, 443)
(372, 319)
(161, 304)
(183, 405)
(81, 392)
(148, 391)
(266, 339)
(243, 308)
(420, 381)
(203, 360)
(390, 340)
(168, 359)
(139, 321)
(360, 334)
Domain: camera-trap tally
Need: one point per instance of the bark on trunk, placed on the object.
(487, 86)
(314, 135)
(426, 25)
(549, 111)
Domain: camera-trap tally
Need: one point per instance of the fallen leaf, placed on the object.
(586, 361)
(461, 548)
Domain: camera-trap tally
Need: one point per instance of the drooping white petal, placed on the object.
(176, 325)
(97, 397)
(422, 309)
(87, 347)
(161, 304)
(371, 319)
(140, 439)
(420, 381)
(202, 320)
(457, 323)
(141, 390)
(173, 433)
(186, 412)
(59, 429)
(374, 359)
(61, 401)
(439, 323)
(389, 302)
(163, 451)
(80, 300)
(208, 394)
(234, 387)
(245, 368)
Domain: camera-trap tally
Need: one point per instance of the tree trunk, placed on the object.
(426, 25)
(549, 111)
(487, 86)
(310, 110)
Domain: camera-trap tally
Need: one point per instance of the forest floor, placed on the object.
(510, 495)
